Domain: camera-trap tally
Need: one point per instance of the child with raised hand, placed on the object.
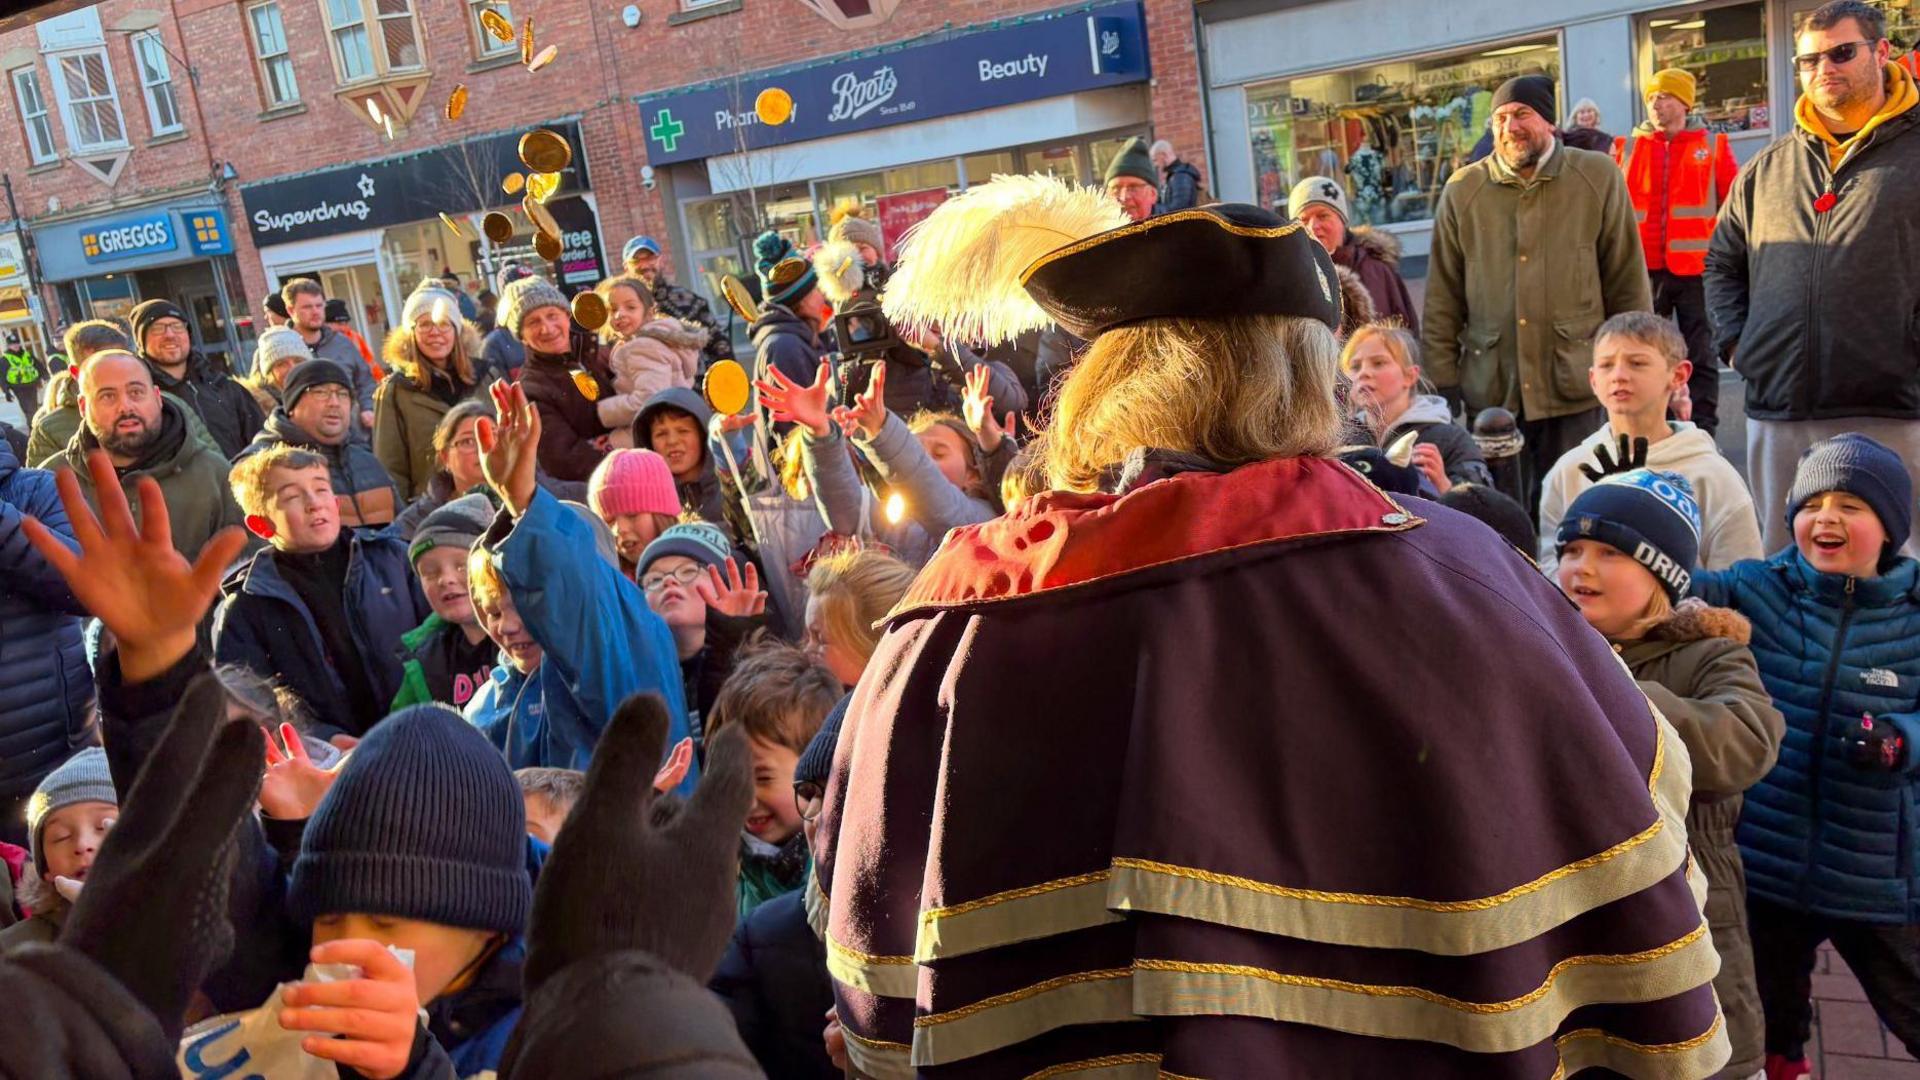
(1382, 363)
(1828, 836)
(1639, 363)
(651, 352)
(932, 463)
(693, 582)
(576, 634)
(1626, 548)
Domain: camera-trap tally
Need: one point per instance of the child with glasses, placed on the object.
(693, 581)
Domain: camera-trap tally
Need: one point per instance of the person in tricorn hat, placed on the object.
(1228, 850)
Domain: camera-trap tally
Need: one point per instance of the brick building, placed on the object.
(205, 150)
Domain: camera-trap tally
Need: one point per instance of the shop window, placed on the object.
(1725, 49)
(981, 168)
(372, 38)
(1389, 133)
(485, 45)
(270, 51)
(156, 79)
(1058, 161)
(1104, 151)
(1903, 21)
(89, 106)
(32, 105)
(944, 173)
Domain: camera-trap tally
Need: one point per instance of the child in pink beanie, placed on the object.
(633, 492)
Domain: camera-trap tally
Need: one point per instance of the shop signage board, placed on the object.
(13, 264)
(457, 179)
(580, 265)
(1047, 57)
(901, 212)
(126, 238)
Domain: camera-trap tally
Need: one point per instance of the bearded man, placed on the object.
(1208, 839)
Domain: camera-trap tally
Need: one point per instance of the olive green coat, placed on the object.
(1521, 274)
(193, 481)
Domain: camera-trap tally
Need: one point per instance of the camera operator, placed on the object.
(793, 313)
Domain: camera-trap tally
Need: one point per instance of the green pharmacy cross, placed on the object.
(667, 130)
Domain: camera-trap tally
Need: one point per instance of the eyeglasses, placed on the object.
(809, 798)
(686, 575)
(1838, 55)
(168, 326)
(330, 393)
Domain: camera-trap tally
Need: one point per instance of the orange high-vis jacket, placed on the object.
(1910, 61)
(1677, 187)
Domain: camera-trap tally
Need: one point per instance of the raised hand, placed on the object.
(1632, 455)
(789, 402)
(144, 591)
(509, 449)
(675, 770)
(294, 785)
(731, 595)
(976, 406)
(868, 414)
(366, 1024)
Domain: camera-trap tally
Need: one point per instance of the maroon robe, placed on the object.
(1258, 773)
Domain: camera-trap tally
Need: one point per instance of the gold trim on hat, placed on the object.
(1258, 233)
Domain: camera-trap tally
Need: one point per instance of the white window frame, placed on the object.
(156, 81)
(371, 25)
(485, 45)
(36, 126)
(266, 63)
(69, 116)
(696, 5)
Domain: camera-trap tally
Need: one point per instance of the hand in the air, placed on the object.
(976, 405)
(510, 447)
(732, 594)
(789, 402)
(294, 785)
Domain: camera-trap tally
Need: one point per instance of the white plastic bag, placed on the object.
(252, 1045)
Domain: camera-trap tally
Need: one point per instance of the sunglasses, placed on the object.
(1838, 55)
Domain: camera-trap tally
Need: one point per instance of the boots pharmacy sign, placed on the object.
(1045, 56)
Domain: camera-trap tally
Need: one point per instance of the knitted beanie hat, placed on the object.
(277, 344)
(1650, 516)
(855, 229)
(1133, 160)
(816, 763)
(784, 275)
(276, 304)
(426, 300)
(83, 778)
(309, 373)
(510, 273)
(143, 316)
(1675, 81)
(1316, 189)
(701, 541)
(1863, 468)
(633, 482)
(456, 525)
(425, 822)
(1536, 92)
(526, 296)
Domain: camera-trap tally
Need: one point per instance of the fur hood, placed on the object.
(1379, 245)
(1694, 620)
(1356, 303)
(676, 333)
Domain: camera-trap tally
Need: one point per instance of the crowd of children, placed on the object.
(470, 656)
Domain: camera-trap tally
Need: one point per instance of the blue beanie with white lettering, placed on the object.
(1650, 516)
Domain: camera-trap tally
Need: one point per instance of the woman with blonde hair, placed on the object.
(848, 594)
(431, 357)
(1124, 765)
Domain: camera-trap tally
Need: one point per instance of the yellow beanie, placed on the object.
(1672, 81)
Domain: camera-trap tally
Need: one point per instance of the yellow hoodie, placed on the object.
(1901, 96)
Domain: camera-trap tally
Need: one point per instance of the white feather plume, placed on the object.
(960, 268)
(840, 271)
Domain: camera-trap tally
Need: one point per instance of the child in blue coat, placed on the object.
(575, 634)
(1830, 836)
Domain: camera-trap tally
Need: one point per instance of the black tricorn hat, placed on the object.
(1218, 262)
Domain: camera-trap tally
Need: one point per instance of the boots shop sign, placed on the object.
(1044, 56)
(458, 179)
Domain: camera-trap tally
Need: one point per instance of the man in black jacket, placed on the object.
(1810, 285)
(166, 344)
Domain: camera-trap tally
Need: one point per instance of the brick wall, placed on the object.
(602, 66)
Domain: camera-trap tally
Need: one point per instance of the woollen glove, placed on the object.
(154, 911)
(1632, 455)
(618, 881)
(1875, 745)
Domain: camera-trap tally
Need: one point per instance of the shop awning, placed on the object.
(13, 305)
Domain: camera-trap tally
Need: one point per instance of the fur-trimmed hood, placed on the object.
(1695, 620)
(397, 352)
(1356, 303)
(1379, 245)
(676, 333)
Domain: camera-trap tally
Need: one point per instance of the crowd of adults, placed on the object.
(655, 721)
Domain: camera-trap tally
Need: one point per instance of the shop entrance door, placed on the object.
(359, 286)
(210, 330)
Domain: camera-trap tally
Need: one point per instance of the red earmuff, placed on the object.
(260, 526)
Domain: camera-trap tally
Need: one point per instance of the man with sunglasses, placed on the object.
(1810, 282)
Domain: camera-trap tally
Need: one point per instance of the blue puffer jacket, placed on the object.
(45, 686)
(1817, 833)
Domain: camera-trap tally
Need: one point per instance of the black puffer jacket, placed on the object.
(224, 405)
(774, 978)
(45, 686)
(1820, 311)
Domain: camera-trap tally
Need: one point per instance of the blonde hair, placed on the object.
(402, 354)
(777, 694)
(1399, 341)
(484, 583)
(1659, 610)
(1644, 327)
(1234, 391)
(855, 590)
(248, 477)
(605, 291)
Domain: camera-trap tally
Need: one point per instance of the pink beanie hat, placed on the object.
(633, 482)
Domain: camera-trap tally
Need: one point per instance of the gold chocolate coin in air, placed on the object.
(544, 151)
(457, 102)
(498, 227)
(589, 310)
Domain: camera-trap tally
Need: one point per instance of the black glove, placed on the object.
(617, 882)
(1874, 745)
(154, 910)
(1633, 455)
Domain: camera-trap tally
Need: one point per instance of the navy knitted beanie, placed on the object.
(1651, 516)
(425, 822)
(816, 764)
(1863, 468)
